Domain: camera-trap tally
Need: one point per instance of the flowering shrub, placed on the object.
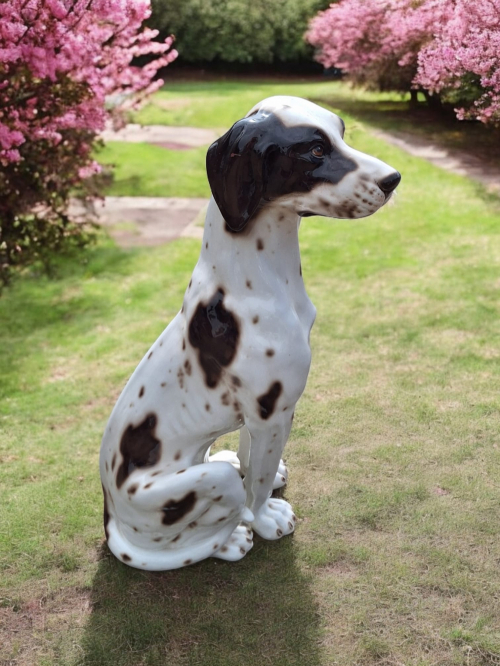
(60, 60)
(463, 61)
(447, 47)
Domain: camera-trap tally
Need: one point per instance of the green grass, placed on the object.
(145, 170)
(394, 455)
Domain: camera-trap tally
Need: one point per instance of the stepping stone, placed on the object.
(148, 221)
(175, 138)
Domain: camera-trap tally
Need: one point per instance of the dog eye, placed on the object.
(318, 151)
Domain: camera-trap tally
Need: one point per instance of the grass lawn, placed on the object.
(394, 456)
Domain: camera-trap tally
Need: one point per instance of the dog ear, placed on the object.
(235, 169)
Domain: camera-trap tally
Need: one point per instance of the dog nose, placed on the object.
(389, 183)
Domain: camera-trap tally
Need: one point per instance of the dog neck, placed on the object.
(264, 256)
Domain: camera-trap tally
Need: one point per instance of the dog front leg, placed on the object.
(273, 517)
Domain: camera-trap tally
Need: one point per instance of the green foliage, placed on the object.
(34, 221)
(262, 31)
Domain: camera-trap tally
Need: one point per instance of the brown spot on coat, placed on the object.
(249, 284)
(267, 401)
(260, 244)
(139, 448)
(187, 366)
(180, 377)
(150, 354)
(236, 381)
(225, 398)
(177, 456)
(113, 462)
(157, 539)
(215, 332)
(141, 392)
(107, 466)
(132, 489)
(255, 320)
(207, 407)
(163, 384)
(176, 538)
(174, 510)
(148, 485)
(300, 269)
(125, 557)
(193, 524)
(183, 344)
(270, 352)
(217, 499)
(187, 561)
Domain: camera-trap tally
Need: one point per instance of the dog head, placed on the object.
(291, 151)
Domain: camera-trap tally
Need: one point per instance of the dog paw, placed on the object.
(237, 546)
(281, 476)
(274, 519)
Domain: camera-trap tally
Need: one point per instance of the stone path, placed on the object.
(141, 221)
(145, 221)
(174, 138)
(455, 161)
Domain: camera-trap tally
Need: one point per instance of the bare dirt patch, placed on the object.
(27, 629)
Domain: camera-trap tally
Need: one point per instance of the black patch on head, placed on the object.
(260, 159)
(215, 332)
(139, 448)
(267, 402)
(174, 510)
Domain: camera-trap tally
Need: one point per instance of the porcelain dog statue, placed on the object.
(237, 354)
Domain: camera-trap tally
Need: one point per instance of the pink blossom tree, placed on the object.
(61, 61)
(449, 48)
(462, 63)
(376, 42)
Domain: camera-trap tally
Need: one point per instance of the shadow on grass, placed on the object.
(258, 610)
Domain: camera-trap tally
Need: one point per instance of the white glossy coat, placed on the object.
(265, 292)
